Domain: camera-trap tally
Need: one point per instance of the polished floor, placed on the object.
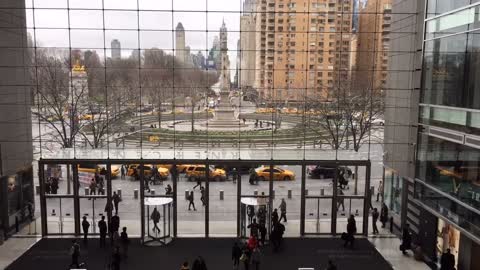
(313, 253)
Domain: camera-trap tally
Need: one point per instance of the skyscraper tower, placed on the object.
(225, 61)
(180, 43)
(116, 49)
(223, 37)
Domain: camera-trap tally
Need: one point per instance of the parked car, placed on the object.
(147, 170)
(263, 173)
(101, 169)
(322, 172)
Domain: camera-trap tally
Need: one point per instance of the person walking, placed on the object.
(125, 242)
(274, 216)
(447, 261)
(191, 202)
(116, 200)
(234, 175)
(236, 254)
(384, 214)
(380, 190)
(155, 217)
(406, 239)
(253, 228)
(85, 227)
(375, 216)
(283, 210)
(75, 253)
(263, 233)
(250, 213)
(202, 195)
(115, 223)
(256, 258)
(102, 226)
(351, 230)
(122, 171)
(93, 187)
(199, 184)
(340, 200)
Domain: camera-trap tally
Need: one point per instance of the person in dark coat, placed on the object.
(253, 228)
(351, 230)
(75, 252)
(102, 226)
(191, 202)
(168, 190)
(384, 214)
(115, 222)
(202, 195)
(406, 239)
(250, 213)
(125, 242)
(375, 215)
(155, 217)
(116, 200)
(85, 227)
(447, 261)
(274, 216)
(236, 253)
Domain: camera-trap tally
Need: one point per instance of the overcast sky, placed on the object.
(155, 21)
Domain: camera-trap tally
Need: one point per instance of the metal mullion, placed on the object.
(333, 228)
(142, 203)
(43, 202)
(206, 197)
(76, 200)
(302, 201)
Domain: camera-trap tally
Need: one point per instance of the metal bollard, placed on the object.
(135, 193)
(152, 191)
(255, 192)
(306, 192)
(221, 195)
(87, 191)
(289, 193)
(119, 192)
(322, 192)
(186, 194)
(37, 189)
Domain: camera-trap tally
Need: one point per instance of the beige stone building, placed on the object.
(302, 48)
(373, 45)
(247, 46)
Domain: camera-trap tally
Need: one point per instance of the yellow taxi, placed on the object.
(198, 172)
(101, 169)
(183, 167)
(147, 170)
(263, 173)
(86, 117)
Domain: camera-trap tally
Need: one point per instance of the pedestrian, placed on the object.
(253, 228)
(262, 215)
(236, 253)
(380, 190)
(283, 210)
(340, 200)
(384, 214)
(48, 186)
(252, 242)
(93, 187)
(447, 261)
(406, 239)
(109, 207)
(191, 202)
(277, 235)
(85, 227)
(125, 242)
(202, 195)
(199, 184)
(375, 216)
(115, 223)
(102, 226)
(101, 188)
(155, 217)
(234, 175)
(274, 216)
(122, 171)
(263, 233)
(116, 200)
(168, 190)
(351, 230)
(54, 185)
(116, 258)
(245, 258)
(75, 253)
(331, 265)
(252, 176)
(256, 258)
(185, 266)
(250, 213)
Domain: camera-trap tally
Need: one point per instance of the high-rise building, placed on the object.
(373, 45)
(247, 46)
(16, 150)
(302, 48)
(432, 138)
(116, 49)
(225, 61)
(180, 52)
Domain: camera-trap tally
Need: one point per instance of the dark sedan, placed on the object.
(321, 172)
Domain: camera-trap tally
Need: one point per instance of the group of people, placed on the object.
(191, 196)
(51, 185)
(97, 185)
